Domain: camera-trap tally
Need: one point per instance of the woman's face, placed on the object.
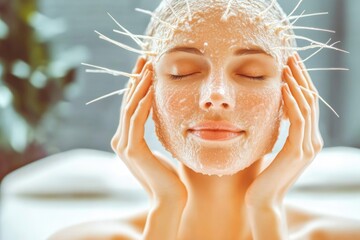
(213, 73)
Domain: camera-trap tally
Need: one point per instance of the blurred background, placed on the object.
(44, 89)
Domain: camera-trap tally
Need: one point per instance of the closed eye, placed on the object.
(179, 77)
(257, 78)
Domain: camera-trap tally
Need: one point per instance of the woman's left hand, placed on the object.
(265, 195)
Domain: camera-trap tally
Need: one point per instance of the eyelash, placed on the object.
(179, 77)
(259, 78)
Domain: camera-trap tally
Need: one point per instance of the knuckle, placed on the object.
(127, 108)
(318, 146)
(311, 99)
(309, 151)
(136, 80)
(118, 146)
(300, 121)
(133, 119)
(141, 103)
(306, 110)
(127, 118)
(129, 153)
(297, 153)
(114, 142)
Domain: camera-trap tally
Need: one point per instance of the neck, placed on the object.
(215, 208)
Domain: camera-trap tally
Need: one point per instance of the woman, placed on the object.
(219, 77)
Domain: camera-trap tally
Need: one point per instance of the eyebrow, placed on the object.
(238, 52)
(185, 49)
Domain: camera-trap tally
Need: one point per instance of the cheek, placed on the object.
(260, 105)
(174, 101)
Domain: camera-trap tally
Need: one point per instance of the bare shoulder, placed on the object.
(129, 228)
(304, 224)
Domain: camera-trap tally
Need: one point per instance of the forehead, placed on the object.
(209, 31)
(209, 28)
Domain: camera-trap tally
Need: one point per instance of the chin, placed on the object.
(219, 171)
(221, 162)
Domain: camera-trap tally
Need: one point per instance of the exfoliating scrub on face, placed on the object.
(217, 105)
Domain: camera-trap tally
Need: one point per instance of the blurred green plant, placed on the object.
(31, 81)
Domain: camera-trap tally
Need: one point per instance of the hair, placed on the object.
(174, 15)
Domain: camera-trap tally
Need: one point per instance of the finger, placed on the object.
(123, 102)
(315, 99)
(310, 84)
(139, 92)
(296, 91)
(302, 80)
(297, 72)
(138, 119)
(137, 69)
(297, 121)
(305, 72)
(136, 80)
(304, 108)
(316, 135)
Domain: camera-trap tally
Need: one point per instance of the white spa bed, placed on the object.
(84, 185)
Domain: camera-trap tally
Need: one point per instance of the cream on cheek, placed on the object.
(261, 118)
(173, 106)
(176, 102)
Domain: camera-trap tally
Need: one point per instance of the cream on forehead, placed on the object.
(250, 19)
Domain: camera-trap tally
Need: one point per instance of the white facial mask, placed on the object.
(254, 107)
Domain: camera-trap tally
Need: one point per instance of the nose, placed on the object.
(216, 96)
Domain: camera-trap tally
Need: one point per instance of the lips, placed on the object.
(216, 130)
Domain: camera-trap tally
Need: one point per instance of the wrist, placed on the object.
(164, 219)
(267, 221)
(175, 199)
(168, 203)
(264, 201)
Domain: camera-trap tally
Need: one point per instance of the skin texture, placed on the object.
(222, 80)
(247, 202)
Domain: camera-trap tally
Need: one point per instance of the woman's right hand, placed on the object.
(159, 178)
(155, 173)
